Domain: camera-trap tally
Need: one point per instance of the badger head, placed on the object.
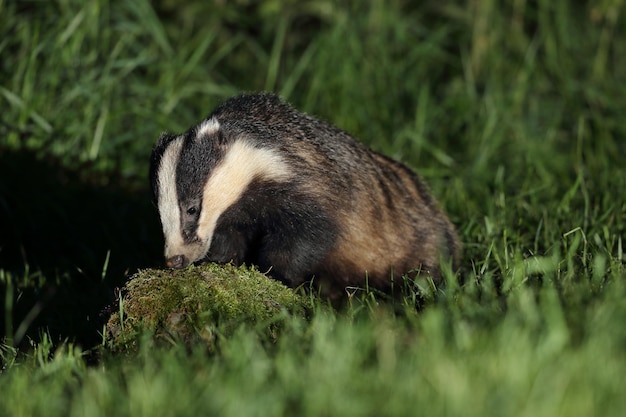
(196, 177)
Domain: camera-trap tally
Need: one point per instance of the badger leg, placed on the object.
(285, 255)
(291, 259)
(231, 244)
(286, 236)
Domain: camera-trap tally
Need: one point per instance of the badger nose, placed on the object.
(177, 261)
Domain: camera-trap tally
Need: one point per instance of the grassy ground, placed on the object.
(513, 112)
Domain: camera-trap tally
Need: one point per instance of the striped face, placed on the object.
(196, 177)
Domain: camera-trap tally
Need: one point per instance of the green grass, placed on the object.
(200, 305)
(512, 111)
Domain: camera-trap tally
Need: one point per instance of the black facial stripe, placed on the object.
(196, 161)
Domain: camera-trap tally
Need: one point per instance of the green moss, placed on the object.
(198, 303)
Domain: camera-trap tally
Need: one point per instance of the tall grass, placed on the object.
(511, 110)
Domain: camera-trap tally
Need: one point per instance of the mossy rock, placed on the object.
(196, 304)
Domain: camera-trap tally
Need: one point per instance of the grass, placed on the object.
(512, 111)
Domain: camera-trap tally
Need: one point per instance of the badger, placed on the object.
(260, 183)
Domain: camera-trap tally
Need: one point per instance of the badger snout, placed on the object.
(177, 261)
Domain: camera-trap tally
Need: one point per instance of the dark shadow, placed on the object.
(62, 225)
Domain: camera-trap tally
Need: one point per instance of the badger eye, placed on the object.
(192, 210)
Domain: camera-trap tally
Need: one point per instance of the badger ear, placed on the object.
(210, 133)
(221, 139)
(207, 127)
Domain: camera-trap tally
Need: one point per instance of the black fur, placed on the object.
(273, 227)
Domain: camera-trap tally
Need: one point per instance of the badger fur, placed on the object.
(260, 183)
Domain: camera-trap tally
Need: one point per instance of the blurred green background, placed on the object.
(513, 111)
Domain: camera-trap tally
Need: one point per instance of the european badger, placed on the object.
(258, 182)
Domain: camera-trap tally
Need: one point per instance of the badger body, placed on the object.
(260, 183)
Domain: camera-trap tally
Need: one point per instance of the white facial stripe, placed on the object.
(241, 165)
(208, 127)
(168, 197)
